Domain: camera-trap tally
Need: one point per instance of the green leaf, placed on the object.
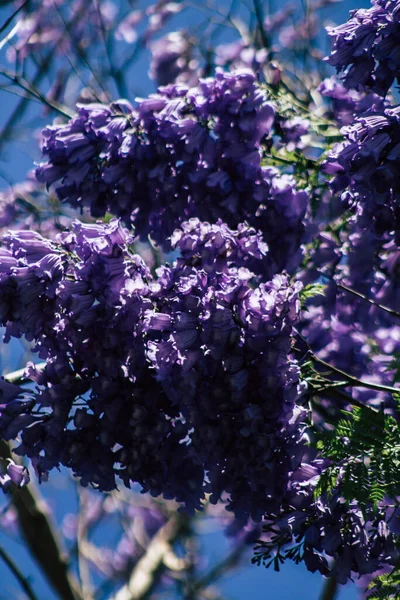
(365, 452)
(385, 587)
(310, 291)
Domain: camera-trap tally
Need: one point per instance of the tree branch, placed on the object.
(40, 536)
(26, 586)
(330, 589)
(390, 311)
(159, 554)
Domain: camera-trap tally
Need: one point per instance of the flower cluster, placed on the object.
(161, 381)
(366, 47)
(346, 103)
(311, 529)
(185, 152)
(172, 59)
(220, 346)
(366, 171)
(184, 378)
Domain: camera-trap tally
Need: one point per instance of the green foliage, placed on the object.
(385, 587)
(310, 291)
(365, 451)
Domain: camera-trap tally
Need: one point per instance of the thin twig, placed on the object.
(390, 311)
(352, 381)
(27, 87)
(83, 566)
(81, 53)
(260, 22)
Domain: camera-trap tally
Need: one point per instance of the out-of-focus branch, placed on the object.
(266, 42)
(83, 566)
(390, 311)
(350, 380)
(40, 536)
(43, 70)
(22, 105)
(26, 586)
(220, 569)
(30, 89)
(330, 588)
(159, 555)
(10, 19)
(81, 53)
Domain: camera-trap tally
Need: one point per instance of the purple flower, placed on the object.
(346, 104)
(172, 59)
(15, 475)
(160, 381)
(367, 174)
(312, 530)
(181, 153)
(366, 47)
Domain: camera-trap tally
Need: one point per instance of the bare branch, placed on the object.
(159, 555)
(9, 20)
(30, 89)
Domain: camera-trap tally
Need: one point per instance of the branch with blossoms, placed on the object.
(220, 326)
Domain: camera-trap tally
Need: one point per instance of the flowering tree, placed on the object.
(205, 282)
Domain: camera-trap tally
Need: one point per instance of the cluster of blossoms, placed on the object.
(183, 379)
(182, 383)
(366, 169)
(346, 103)
(366, 47)
(182, 153)
(311, 529)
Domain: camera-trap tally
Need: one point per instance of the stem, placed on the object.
(23, 84)
(26, 586)
(353, 381)
(390, 311)
(9, 20)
